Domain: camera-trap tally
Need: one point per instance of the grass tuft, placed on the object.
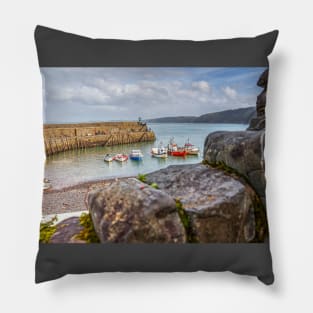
(142, 177)
(88, 234)
(47, 229)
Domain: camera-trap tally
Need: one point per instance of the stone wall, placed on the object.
(62, 137)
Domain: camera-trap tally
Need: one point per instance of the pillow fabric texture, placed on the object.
(154, 155)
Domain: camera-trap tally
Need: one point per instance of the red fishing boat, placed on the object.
(174, 150)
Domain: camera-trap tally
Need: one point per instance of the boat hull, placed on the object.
(160, 156)
(193, 152)
(121, 158)
(136, 158)
(178, 153)
(108, 160)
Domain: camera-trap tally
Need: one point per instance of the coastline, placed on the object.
(71, 198)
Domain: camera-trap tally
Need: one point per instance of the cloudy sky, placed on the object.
(104, 94)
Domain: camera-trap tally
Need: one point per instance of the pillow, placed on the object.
(154, 155)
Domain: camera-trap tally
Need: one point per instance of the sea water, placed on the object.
(77, 166)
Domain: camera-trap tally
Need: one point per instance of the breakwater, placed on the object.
(63, 137)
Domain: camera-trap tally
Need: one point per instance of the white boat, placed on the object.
(160, 152)
(136, 155)
(191, 149)
(108, 158)
(46, 184)
(121, 157)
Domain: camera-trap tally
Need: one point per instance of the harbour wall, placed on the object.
(63, 137)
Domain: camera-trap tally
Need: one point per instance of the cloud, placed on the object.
(201, 85)
(230, 92)
(93, 94)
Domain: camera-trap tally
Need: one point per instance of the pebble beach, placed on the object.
(70, 199)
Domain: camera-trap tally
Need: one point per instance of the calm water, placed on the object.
(72, 167)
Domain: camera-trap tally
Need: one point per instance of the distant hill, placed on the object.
(174, 119)
(236, 116)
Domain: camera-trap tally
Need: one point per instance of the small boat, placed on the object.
(109, 158)
(136, 155)
(160, 152)
(121, 157)
(174, 150)
(46, 184)
(191, 149)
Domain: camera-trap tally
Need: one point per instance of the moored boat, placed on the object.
(174, 150)
(136, 155)
(121, 157)
(160, 152)
(191, 149)
(108, 157)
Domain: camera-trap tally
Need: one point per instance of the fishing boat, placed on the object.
(136, 155)
(174, 150)
(191, 149)
(121, 157)
(109, 158)
(159, 152)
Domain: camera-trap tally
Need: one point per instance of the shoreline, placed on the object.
(84, 184)
(71, 198)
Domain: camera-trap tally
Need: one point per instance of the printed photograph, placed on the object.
(154, 155)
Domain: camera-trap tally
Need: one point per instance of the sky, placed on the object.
(116, 93)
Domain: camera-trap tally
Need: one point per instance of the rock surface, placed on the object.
(66, 231)
(128, 211)
(258, 122)
(219, 207)
(263, 79)
(241, 151)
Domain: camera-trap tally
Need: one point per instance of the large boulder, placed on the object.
(241, 151)
(218, 207)
(128, 211)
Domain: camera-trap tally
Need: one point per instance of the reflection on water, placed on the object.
(71, 167)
